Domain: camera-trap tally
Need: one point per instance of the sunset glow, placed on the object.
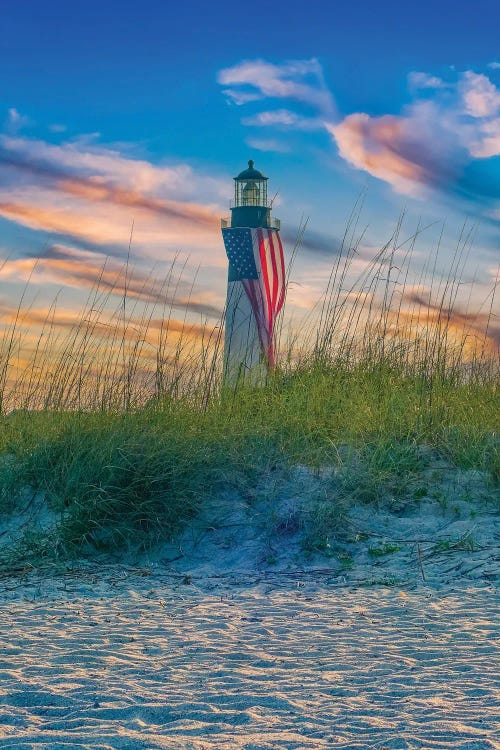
(108, 187)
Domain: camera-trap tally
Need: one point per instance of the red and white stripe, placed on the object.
(267, 293)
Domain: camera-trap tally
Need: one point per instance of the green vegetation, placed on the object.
(124, 457)
(384, 549)
(466, 543)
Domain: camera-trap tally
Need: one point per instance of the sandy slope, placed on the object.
(124, 659)
(231, 638)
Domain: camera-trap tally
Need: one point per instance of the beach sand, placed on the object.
(232, 637)
(127, 659)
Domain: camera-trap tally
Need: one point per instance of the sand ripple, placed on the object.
(143, 666)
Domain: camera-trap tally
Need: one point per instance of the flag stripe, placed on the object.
(275, 272)
(256, 259)
(265, 272)
(281, 266)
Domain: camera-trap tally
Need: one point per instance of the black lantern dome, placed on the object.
(251, 173)
(250, 207)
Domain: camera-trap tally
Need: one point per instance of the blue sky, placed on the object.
(118, 112)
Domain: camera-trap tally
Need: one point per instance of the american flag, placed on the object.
(256, 259)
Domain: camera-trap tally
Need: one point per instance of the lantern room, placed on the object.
(250, 188)
(250, 207)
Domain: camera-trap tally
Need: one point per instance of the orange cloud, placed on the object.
(432, 141)
(92, 195)
(371, 144)
(479, 325)
(104, 224)
(105, 327)
(89, 161)
(85, 270)
(191, 213)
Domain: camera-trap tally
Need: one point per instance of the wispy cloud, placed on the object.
(299, 80)
(478, 324)
(34, 319)
(313, 241)
(90, 194)
(268, 144)
(85, 270)
(15, 121)
(57, 127)
(419, 80)
(86, 159)
(242, 97)
(282, 118)
(101, 225)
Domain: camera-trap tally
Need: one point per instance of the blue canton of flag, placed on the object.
(240, 253)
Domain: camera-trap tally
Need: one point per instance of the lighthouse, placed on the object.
(256, 281)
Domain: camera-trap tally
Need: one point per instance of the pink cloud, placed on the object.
(374, 145)
(102, 224)
(92, 195)
(480, 96)
(431, 141)
(85, 270)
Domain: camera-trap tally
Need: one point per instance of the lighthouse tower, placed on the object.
(256, 280)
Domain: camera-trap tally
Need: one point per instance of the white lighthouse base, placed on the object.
(243, 359)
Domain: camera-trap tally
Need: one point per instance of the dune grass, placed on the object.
(124, 455)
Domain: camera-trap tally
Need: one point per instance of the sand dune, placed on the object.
(231, 637)
(127, 659)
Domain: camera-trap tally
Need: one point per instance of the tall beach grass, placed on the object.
(122, 424)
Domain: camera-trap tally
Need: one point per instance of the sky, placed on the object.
(122, 125)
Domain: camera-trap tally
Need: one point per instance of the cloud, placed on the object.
(417, 80)
(31, 322)
(15, 121)
(299, 80)
(84, 197)
(282, 118)
(431, 142)
(57, 128)
(447, 126)
(241, 97)
(382, 146)
(494, 213)
(268, 144)
(104, 224)
(477, 324)
(494, 273)
(85, 270)
(312, 241)
(110, 168)
(90, 194)
(485, 142)
(494, 65)
(480, 96)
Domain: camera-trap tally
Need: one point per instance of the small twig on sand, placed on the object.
(420, 564)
